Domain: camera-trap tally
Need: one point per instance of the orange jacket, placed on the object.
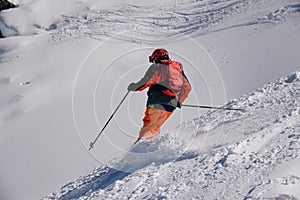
(152, 80)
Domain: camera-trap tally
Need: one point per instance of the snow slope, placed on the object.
(64, 67)
(234, 155)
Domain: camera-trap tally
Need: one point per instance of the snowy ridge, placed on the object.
(232, 156)
(171, 20)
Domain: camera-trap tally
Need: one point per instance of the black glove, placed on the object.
(131, 87)
(179, 105)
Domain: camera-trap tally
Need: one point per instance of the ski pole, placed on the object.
(213, 107)
(92, 143)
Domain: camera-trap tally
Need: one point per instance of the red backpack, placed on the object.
(172, 77)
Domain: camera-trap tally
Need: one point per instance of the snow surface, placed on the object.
(65, 65)
(233, 155)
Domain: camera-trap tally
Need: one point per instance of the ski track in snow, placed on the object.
(172, 20)
(241, 150)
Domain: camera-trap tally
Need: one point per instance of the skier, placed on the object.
(168, 88)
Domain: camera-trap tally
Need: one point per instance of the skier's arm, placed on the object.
(148, 79)
(186, 88)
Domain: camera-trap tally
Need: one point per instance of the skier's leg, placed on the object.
(153, 120)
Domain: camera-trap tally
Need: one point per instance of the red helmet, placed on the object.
(159, 54)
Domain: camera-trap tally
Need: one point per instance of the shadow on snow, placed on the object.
(139, 157)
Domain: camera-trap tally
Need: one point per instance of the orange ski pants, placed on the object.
(153, 120)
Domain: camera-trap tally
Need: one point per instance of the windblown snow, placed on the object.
(64, 66)
(252, 154)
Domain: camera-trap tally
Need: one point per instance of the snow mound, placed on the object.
(233, 155)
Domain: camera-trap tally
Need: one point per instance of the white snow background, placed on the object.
(65, 66)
